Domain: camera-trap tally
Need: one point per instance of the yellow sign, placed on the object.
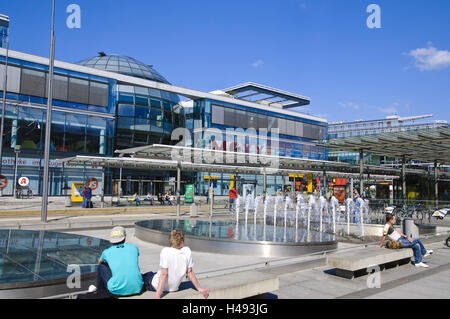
(310, 184)
(231, 181)
(297, 175)
(209, 177)
(77, 192)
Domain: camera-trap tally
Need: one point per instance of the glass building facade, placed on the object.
(92, 115)
(97, 112)
(297, 137)
(4, 29)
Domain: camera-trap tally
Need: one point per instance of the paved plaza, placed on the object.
(302, 277)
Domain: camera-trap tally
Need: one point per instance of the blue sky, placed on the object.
(322, 49)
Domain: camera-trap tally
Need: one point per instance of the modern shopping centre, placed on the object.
(112, 102)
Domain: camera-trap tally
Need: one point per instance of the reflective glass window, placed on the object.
(58, 129)
(78, 90)
(141, 100)
(126, 98)
(32, 82)
(126, 88)
(240, 119)
(13, 82)
(75, 132)
(30, 128)
(272, 122)
(142, 112)
(126, 123)
(229, 117)
(142, 124)
(218, 114)
(262, 121)
(290, 127)
(98, 94)
(126, 110)
(155, 103)
(95, 135)
(282, 126)
(60, 87)
(252, 120)
(156, 114)
(299, 129)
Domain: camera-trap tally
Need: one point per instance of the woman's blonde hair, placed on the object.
(176, 237)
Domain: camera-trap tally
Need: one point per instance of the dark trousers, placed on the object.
(104, 274)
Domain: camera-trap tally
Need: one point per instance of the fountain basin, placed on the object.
(237, 238)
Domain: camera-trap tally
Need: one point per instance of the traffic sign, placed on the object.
(3, 182)
(93, 183)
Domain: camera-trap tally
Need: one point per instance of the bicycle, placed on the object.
(447, 242)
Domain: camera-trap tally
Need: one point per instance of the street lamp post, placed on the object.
(48, 124)
(17, 151)
(4, 21)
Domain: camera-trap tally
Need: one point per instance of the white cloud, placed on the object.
(257, 64)
(430, 58)
(349, 105)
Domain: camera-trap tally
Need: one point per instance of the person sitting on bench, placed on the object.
(149, 198)
(405, 241)
(118, 272)
(175, 262)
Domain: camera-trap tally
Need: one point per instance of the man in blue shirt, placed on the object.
(118, 271)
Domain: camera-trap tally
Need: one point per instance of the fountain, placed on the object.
(334, 203)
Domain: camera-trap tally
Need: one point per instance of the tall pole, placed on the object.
(436, 185)
(361, 172)
(178, 188)
(5, 79)
(48, 124)
(403, 179)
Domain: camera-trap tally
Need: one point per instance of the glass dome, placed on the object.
(124, 65)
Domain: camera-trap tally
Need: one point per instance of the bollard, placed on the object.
(193, 210)
(410, 229)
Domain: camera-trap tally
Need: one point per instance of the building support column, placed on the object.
(436, 184)
(178, 188)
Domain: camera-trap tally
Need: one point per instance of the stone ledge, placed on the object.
(233, 286)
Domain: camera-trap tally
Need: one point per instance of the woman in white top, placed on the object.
(406, 242)
(175, 262)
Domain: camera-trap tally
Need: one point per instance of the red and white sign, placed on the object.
(23, 181)
(93, 183)
(3, 182)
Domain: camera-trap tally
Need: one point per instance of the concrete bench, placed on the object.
(233, 286)
(351, 264)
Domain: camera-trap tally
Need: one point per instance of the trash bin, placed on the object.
(68, 201)
(410, 229)
(193, 210)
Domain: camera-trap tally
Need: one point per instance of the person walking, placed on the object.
(232, 197)
(175, 263)
(89, 197)
(405, 241)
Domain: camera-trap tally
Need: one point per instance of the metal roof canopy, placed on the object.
(426, 145)
(266, 93)
(159, 151)
(169, 165)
